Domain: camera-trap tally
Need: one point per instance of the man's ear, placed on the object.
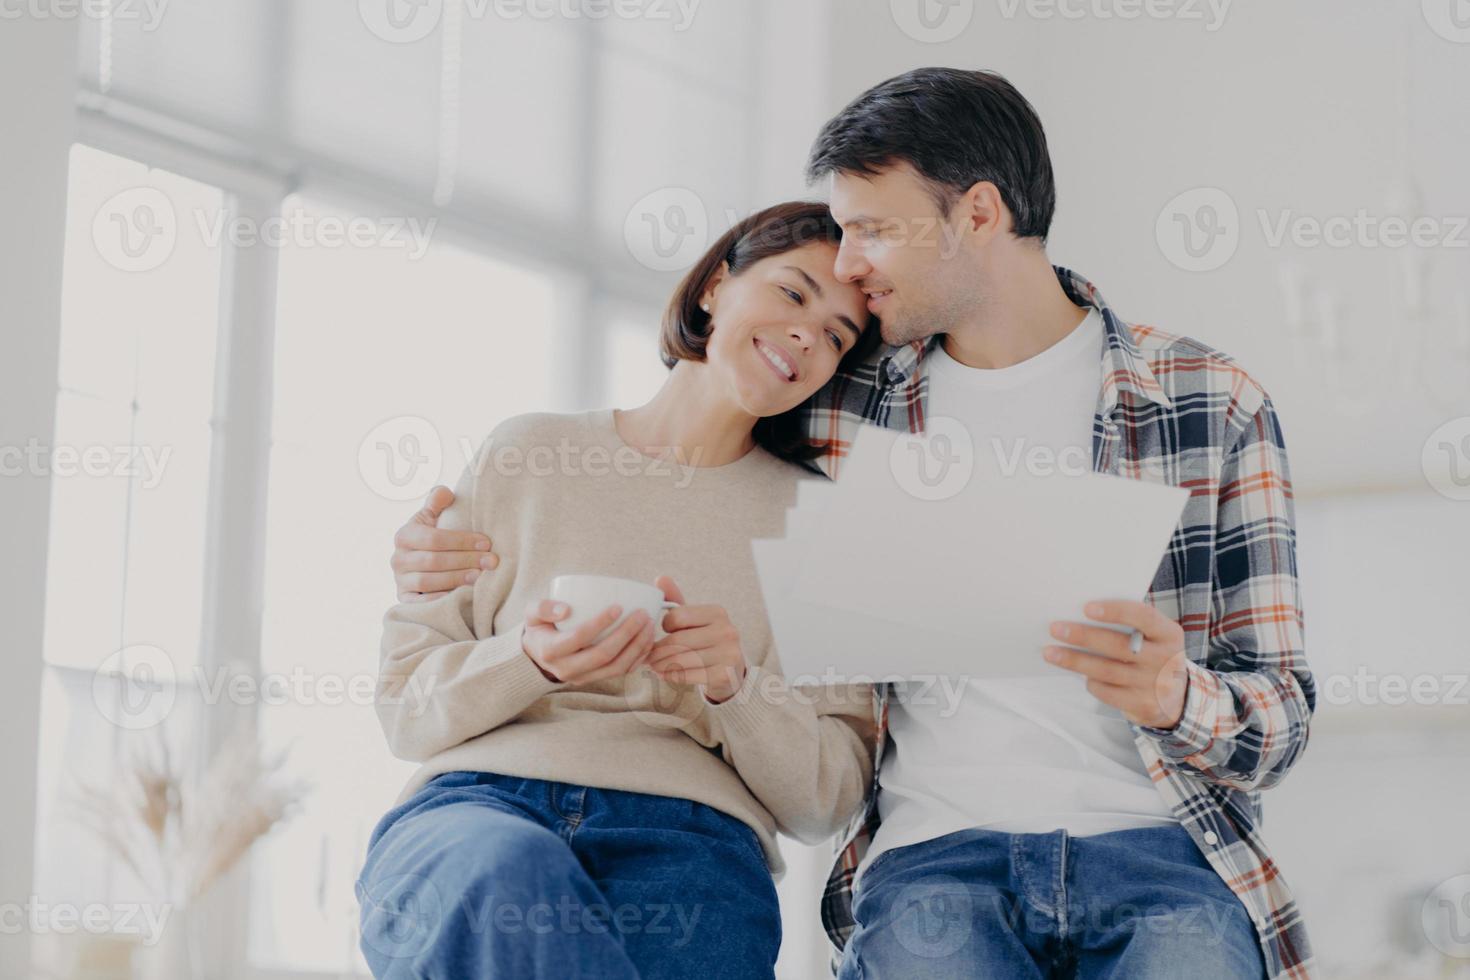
(707, 298)
(981, 212)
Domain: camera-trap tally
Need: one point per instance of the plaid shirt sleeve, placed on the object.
(1248, 707)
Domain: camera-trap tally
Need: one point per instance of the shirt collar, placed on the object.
(1124, 366)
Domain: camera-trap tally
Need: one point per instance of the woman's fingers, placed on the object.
(664, 649)
(628, 658)
(572, 641)
(549, 648)
(692, 617)
(670, 589)
(691, 668)
(546, 612)
(701, 637)
(585, 661)
(674, 663)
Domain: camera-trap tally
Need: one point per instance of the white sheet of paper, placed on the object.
(872, 580)
(816, 646)
(813, 494)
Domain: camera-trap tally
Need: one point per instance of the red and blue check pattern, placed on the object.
(1170, 410)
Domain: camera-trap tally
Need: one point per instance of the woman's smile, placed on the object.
(779, 361)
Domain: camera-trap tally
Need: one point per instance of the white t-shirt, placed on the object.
(1022, 755)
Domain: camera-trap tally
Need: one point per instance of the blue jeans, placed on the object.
(1139, 904)
(480, 875)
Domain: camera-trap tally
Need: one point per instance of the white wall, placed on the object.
(37, 71)
(1374, 814)
(1285, 106)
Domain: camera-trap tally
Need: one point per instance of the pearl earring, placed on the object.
(704, 306)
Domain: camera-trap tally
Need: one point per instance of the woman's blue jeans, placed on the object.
(482, 875)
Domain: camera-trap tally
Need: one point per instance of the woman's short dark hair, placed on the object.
(775, 230)
(956, 128)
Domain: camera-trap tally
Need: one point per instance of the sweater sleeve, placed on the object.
(444, 675)
(806, 752)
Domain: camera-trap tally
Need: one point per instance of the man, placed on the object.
(1051, 827)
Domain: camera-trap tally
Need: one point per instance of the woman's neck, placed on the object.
(690, 419)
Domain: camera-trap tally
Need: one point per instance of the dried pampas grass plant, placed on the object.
(180, 835)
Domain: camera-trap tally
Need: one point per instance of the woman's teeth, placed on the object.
(777, 360)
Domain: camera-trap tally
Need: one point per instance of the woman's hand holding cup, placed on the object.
(702, 647)
(578, 656)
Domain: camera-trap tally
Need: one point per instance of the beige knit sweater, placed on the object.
(563, 494)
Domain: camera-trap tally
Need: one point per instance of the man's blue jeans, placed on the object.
(1140, 904)
(480, 875)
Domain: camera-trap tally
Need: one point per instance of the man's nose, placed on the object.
(850, 265)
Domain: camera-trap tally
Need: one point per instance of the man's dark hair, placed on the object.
(956, 128)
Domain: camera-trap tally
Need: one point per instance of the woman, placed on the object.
(609, 809)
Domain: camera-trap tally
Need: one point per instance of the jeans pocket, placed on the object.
(878, 862)
(724, 826)
(748, 837)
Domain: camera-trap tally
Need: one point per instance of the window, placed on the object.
(131, 457)
(390, 368)
(634, 371)
(136, 386)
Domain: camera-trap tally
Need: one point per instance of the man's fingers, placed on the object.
(436, 582)
(414, 536)
(1111, 694)
(420, 596)
(439, 499)
(1091, 665)
(1139, 615)
(439, 561)
(1097, 639)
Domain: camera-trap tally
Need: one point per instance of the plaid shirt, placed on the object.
(1173, 411)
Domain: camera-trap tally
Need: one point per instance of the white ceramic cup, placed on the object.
(589, 595)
